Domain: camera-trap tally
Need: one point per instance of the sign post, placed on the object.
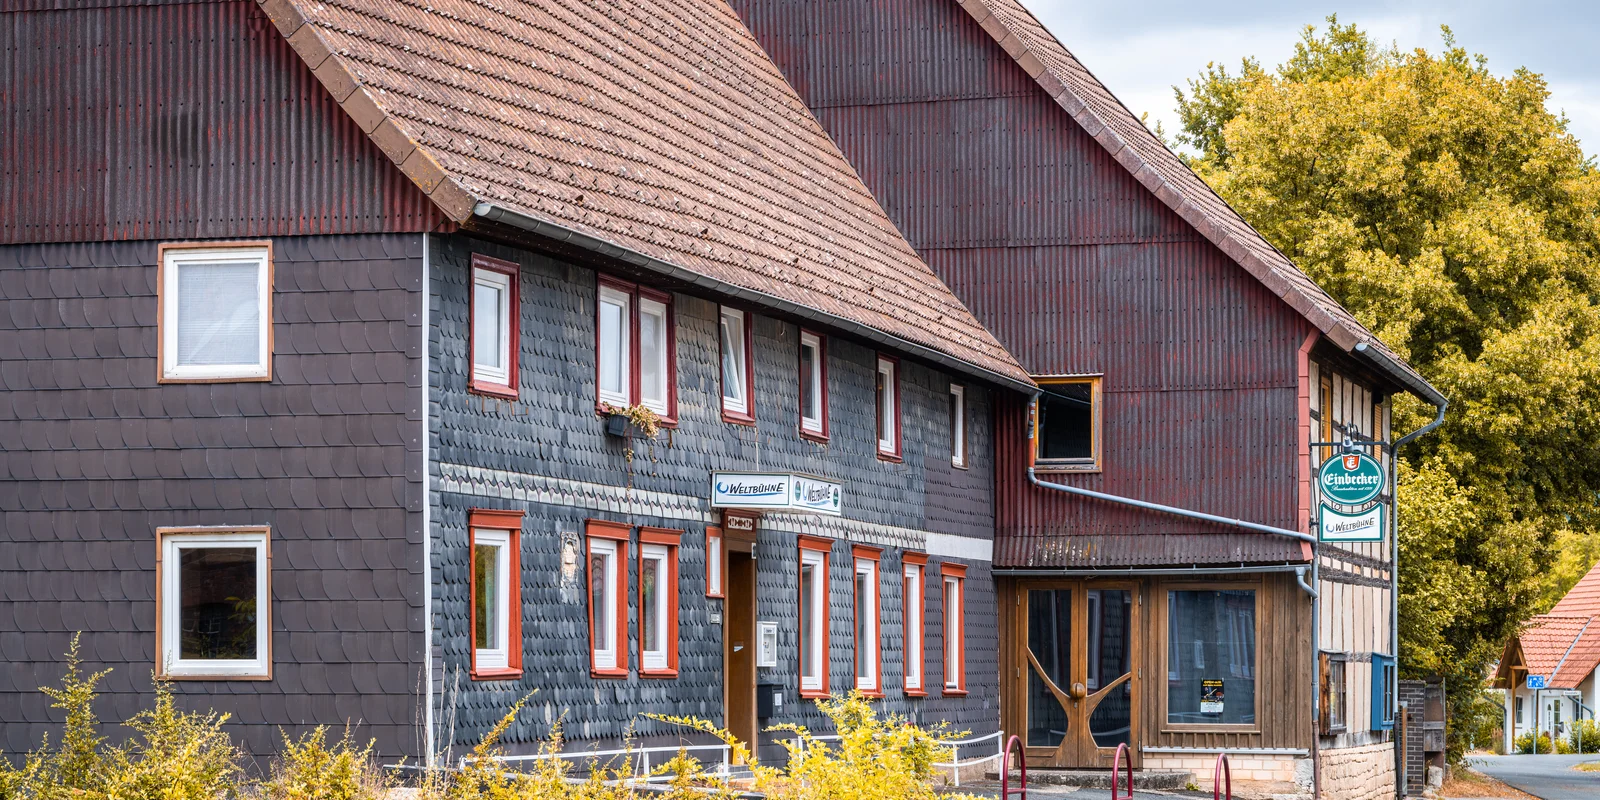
(1537, 682)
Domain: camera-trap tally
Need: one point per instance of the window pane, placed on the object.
(952, 633)
(958, 422)
(808, 383)
(217, 602)
(649, 607)
(486, 577)
(808, 625)
(1211, 656)
(714, 564)
(1049, 640)
(488, 328)
(1066, 421)
(1110, 647)
(909, 591)
(613, 349)
(733, 389)
(886, 412)
(865, 636)
(653, 354)
(601, 619)
(219, 314)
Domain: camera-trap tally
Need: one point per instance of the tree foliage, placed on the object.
(1456, 217)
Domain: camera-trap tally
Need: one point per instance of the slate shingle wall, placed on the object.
(552, 431)
(95, 455)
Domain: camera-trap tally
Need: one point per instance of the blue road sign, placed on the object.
(1536, 682)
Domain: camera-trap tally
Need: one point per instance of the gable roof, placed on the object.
(653, 131)
(1141, 153)
(1564, 648)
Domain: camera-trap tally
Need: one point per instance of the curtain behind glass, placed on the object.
(219, 314)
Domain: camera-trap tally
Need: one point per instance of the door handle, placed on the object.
(1078, 691)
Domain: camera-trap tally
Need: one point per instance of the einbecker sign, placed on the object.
(778, 491)
(1350, 479)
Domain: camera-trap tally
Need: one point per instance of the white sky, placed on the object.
(1142, 49)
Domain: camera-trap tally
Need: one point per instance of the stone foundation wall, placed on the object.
(1359, 773)
(1255, 775)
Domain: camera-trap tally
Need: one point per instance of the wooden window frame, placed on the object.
(818, 552)
(167, 371)
(1327, 692)
(1162, 607)
(170, 668)
(509, 522)
(818, 432)
(959, 455)
(747, 323)
(913, 616)
(896, 417)
(716, 563)
(668, 540)
(1325, 405)
(1096, 462)
(509, 388)
(870, 558)
(958, 573)
(617, 535)
(1385, 674)
(635, 296)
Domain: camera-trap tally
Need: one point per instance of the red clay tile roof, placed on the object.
(1583, 599)
(1140, 152)
(1563, 648)
(657, 126)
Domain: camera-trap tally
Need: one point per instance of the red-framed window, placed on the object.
(869, 641)
(813, 385)
(888, 407)
(495, 593)
(494, 327)
(607, 549)
(953, 578)
(814, 615)
(736, 344)
(716, 562)
(913, 569)
(658, 602)
(636, 349)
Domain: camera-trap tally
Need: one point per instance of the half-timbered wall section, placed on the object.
(176, 120)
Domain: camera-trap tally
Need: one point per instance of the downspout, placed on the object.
(427, 518)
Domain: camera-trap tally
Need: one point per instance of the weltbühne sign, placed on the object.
(777, 491)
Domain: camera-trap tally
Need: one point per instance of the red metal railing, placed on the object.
(1222, 772)
(1116, 766)
(1014, 743)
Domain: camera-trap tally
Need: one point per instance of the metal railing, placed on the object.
(637, 757)
(953, 765)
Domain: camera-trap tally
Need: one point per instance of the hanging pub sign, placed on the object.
(1350, 479)
(1334, 525)
(1210, 696)
(776, 491)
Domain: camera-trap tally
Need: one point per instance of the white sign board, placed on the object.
(776, 491)
(1362, 526)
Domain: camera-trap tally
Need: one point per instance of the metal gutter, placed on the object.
(517, 219)
(1037, 572)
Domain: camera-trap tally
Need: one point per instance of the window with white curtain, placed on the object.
(657, 598)
(958, 425)
(653, 361)
(888, 408)
(604, 596)
(813, 389)
(735, 367)
(216, 313)
(615, 373)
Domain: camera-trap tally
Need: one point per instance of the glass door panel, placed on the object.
(1049, 670)
(1078, 673)
(1110, 643)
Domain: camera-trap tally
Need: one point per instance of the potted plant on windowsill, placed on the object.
(631, 421)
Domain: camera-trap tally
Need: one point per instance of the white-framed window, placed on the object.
(866, 594)
(606, 606)
(813, 386)
(911, 597)
(491, 599)
(216, 313)
(813, 619)
(658, 602)
(736, 401)
(954, 635)
(888, 407)
(654, 365)
(215, 599)
(614, 340)
(714, 562)
(958, 425)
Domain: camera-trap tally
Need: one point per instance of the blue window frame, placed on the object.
(1383, 686)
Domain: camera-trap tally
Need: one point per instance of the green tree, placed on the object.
(1456, 217)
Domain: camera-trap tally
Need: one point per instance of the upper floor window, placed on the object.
(888, 407)
(958, 425)
(635, 362)
(737, 374)
(494, 326)
(216, 312)
(813, 386)
(496, 594)
(1067, 420)
(215, 598)
(1325, 408)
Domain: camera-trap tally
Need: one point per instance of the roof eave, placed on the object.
(549, 230)
(1400, 374)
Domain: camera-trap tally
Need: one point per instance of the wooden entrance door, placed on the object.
(1079, 678)
(739, 644)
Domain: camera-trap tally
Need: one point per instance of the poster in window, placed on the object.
(1211, 697)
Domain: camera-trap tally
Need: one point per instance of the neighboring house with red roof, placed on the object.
(1563, 648)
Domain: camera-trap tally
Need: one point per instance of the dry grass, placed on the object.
(1465, 783)
(1588, 766)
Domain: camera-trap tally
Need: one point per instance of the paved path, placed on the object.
(1549, 777)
